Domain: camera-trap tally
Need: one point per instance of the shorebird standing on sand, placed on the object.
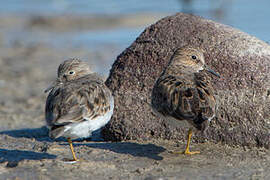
(184, 91)
(78, 103)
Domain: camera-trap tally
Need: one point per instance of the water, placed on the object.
(248, 16)
(88, 6)
(123, 37)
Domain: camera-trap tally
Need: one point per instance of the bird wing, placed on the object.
(75, 102)
(184, 97)
(205, 94)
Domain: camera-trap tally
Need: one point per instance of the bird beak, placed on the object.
(211, 71)
(55, 83)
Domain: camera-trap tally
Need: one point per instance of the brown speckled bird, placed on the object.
(78, 103)
(184, 91)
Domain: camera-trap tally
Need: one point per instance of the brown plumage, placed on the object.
(78, 103)
(184, 90)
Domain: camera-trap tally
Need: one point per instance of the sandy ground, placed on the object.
(25, 157)
(26, 152)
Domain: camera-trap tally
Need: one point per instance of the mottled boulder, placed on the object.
(243, 92)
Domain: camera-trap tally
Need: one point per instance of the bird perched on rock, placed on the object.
(184, 91)
(78, 103)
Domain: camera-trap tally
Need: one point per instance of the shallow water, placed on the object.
(248, 16)
(120, 24)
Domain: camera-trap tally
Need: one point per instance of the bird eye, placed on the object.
(193, 57)
(71, 72)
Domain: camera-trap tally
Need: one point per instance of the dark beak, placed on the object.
(55, 83)
(211, 71)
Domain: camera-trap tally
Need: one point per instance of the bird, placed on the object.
(184, 91)
(78, 102)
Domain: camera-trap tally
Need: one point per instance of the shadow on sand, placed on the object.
(15, 156)
(149, 150)
(40, 134)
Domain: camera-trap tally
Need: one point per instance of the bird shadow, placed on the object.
(13, 157)
(149, 150)
(42, 134)
(39, 134)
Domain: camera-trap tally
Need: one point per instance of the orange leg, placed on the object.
(187, 147)
(72, 149)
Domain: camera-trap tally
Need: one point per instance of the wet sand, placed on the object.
(26, 152)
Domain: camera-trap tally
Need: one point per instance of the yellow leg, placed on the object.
(187, 147)
(72, 149)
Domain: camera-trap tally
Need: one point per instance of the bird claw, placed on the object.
(187, 152)
(72, 161)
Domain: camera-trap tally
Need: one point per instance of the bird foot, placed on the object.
(72, 161)
(187, 152)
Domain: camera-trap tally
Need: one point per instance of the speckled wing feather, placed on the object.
(185, 97)
(75, 102)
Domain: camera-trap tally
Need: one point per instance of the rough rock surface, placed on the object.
(243, 92)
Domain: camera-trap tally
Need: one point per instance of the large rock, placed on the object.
(243, 92)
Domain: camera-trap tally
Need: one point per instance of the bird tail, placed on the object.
(56, 132)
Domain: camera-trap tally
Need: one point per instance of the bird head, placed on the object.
(191, 60)
(70, 70)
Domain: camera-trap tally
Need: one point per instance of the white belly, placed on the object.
(85, 129)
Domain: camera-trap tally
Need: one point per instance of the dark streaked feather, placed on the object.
(56, 131)
(75, 102)
(185, 97)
